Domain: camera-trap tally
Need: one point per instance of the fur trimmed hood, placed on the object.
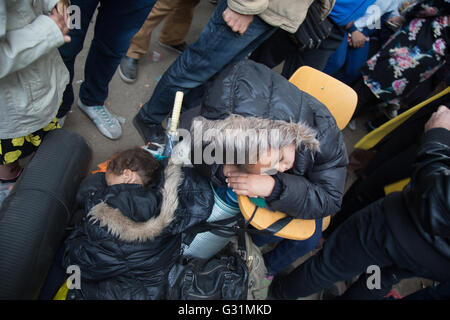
(241, 133)
(128, 230)
(186, 200)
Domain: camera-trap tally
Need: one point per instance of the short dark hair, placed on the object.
(136, 159)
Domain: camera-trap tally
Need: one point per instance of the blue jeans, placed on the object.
(216, 47)
(286, 251)
(116, 23)
(346, 61)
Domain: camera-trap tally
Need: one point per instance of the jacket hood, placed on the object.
(129, 230)
(240, 134)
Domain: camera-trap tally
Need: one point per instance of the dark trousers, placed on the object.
(287, 251)
(362, 241)
(439, 292)
(279, 47)
(116, 23)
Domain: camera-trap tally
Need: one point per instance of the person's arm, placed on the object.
(375, 12)
(430, 182)
(91, 184)
(314, 196)
(319, 193)
(239, 13)
(21, 47)
(356, 39)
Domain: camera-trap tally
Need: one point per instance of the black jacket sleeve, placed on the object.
(428, 195)
(318, 193)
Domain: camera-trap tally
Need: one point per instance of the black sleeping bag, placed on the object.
(34, 216)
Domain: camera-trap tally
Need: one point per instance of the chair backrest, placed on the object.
(341, 101)
(338, 97)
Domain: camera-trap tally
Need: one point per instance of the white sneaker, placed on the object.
(106, 123)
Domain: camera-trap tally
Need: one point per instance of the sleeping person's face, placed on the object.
(127, 176)
(274, 160)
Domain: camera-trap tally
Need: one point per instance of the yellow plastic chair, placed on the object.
(341, 101)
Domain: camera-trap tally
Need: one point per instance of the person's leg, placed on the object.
(288, 251)
(9, 172)
(69, 51)
(141, 40)
(366, 99)
(117, 22)
(177, 24)
(438, 292)
(274, 50)
(389, 276)
(262, 239)
(316, 58)
(363, 240)
(355, 59)
(337, 59)
(386, 167)
(216, 47)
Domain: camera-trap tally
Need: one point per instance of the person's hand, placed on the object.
(236, 21)
(252, 185)
(61, 22)
(62, 8)
(395, 22)
(439, 119)
(357, 39)
(228, 168)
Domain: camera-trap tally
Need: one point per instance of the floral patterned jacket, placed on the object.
(413, 54)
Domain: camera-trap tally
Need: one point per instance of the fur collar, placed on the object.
(240, 132)
(128, 230)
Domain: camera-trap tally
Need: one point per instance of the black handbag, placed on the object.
(223, 277)
(313, 30)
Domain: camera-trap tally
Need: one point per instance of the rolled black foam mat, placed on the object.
(35, 214)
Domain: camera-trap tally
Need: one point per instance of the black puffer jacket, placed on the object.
(131, 236)
(248, 95)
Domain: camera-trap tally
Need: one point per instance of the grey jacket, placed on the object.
(32, 74)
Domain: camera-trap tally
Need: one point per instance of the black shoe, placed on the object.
(179, 48)
(128, 69)
(150, 133)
